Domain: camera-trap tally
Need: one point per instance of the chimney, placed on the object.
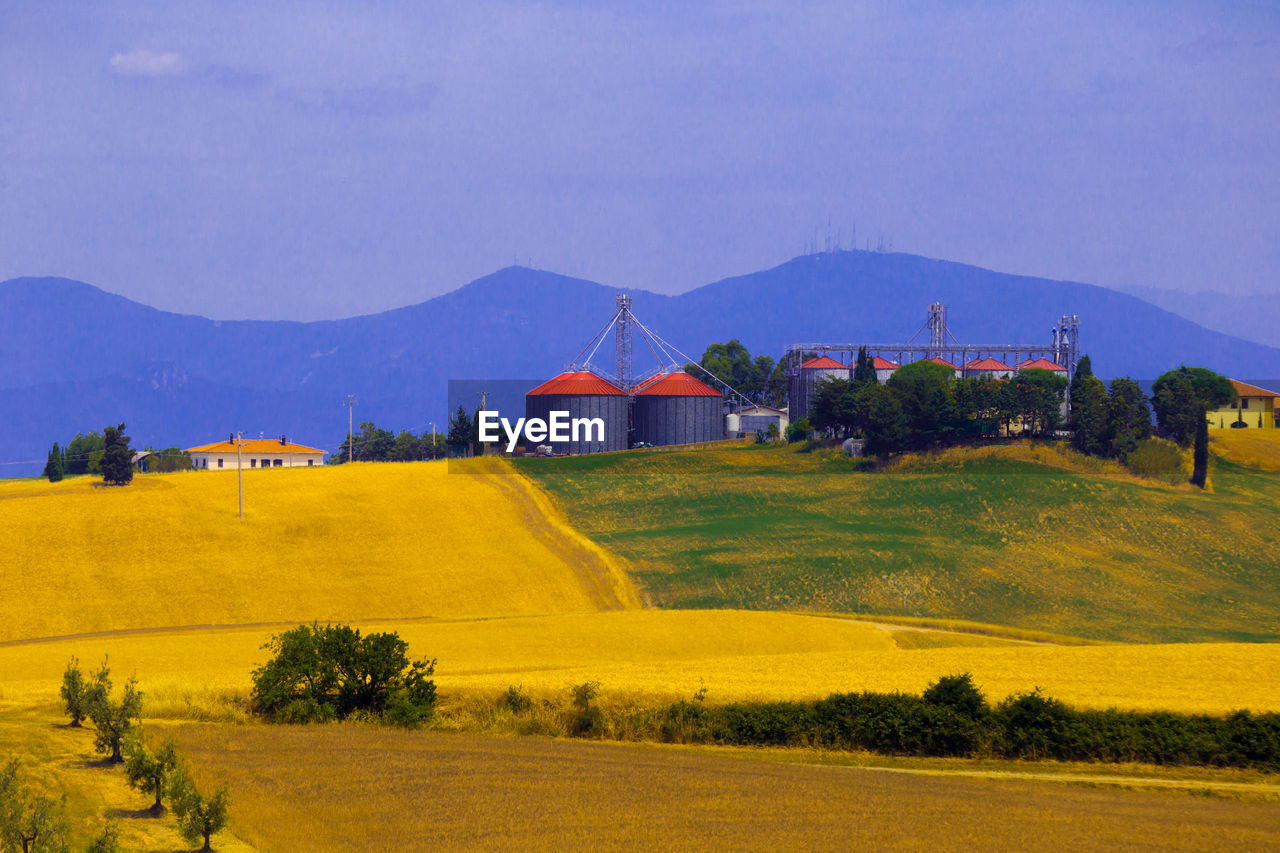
(231, 438)
(282, 441)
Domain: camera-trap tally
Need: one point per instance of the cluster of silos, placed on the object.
(581, 395)
(676, 408)
(802, 387)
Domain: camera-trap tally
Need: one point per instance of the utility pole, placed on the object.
(240, 472)
(431, 453)
(351, 444)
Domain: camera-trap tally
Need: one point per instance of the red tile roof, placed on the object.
(884, 364)
(823, 362)
(1040, 364)
(254, 445)
(1244, 389)
(943, 362)
(987, 364)
(675, 384)
(579, 382)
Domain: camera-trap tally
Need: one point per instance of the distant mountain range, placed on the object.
(77, 358)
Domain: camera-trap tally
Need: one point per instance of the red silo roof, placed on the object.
(940, 360)
(884, 364)
(987, 364)
(579, 382)
(1040, 364)
(822, 362)
(677, 384)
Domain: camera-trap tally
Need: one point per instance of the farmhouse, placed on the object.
(1254, 407)
(254, 453)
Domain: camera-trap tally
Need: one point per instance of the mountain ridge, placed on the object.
(79, 357)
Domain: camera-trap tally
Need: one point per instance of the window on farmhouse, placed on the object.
(311, 463)
(253, 463)
(219, 463)
(1244, 403)
(278, 463)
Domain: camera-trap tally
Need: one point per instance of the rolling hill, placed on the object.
(78, 358)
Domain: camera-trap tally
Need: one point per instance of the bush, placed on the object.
(515, 701)
(328, 672)
(588, 721)
(1157, 459)
(797, 431)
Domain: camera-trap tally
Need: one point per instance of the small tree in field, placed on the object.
(108, 841)
(53, 467)
(198, 817)
(113, 720)
(1200, 456)
(149, 771)
(117, 458)
(29, 824)
(75, 692)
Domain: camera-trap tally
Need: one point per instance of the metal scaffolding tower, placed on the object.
(622, 341)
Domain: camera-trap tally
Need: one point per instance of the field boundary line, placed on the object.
(1078, 778)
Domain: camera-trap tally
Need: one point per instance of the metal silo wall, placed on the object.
(612, 408)
(663, 420)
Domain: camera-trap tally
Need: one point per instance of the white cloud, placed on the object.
(147, 63)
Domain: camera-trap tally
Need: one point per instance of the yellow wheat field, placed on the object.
(345, 543)
(668, 654)
(1257, 448)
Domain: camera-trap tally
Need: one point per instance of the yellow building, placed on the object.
(1255, 407)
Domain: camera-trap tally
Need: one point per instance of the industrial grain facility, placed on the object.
(665, 406)
(808, 364)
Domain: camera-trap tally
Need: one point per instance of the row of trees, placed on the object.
(759, 379)
(1107, 421)
(923, 405)
(374, 444)
(107, 454)
(158, 774)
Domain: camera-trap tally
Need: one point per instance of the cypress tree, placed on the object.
(1200, 460)
(117, 459)
(53, 467)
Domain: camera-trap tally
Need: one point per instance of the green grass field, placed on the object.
(1036, 538)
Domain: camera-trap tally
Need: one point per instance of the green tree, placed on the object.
(74, 692)
(169, 459)
(53, 466)
(149, 771)
(864, 369)
(924, 393)
(797, 431)
(84, 454)
(1200, 457)
(1090, 416)
(115, 721)
(733, 365)
(461, 432)
(328, 672)
(887, 429)
(407, 448)
(1180, 398)
(198, 817)
(30, 824)
(829, 411)
(1129, 417)
(1039, 395)
(1084, 370)
(117, 458)
(108, 841)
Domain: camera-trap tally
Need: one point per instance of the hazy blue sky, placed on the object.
(314, 160)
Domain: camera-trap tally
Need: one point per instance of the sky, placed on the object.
(300, 160)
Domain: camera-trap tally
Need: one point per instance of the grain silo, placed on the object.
(803, 385)
(582, 396)
(675, 408)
